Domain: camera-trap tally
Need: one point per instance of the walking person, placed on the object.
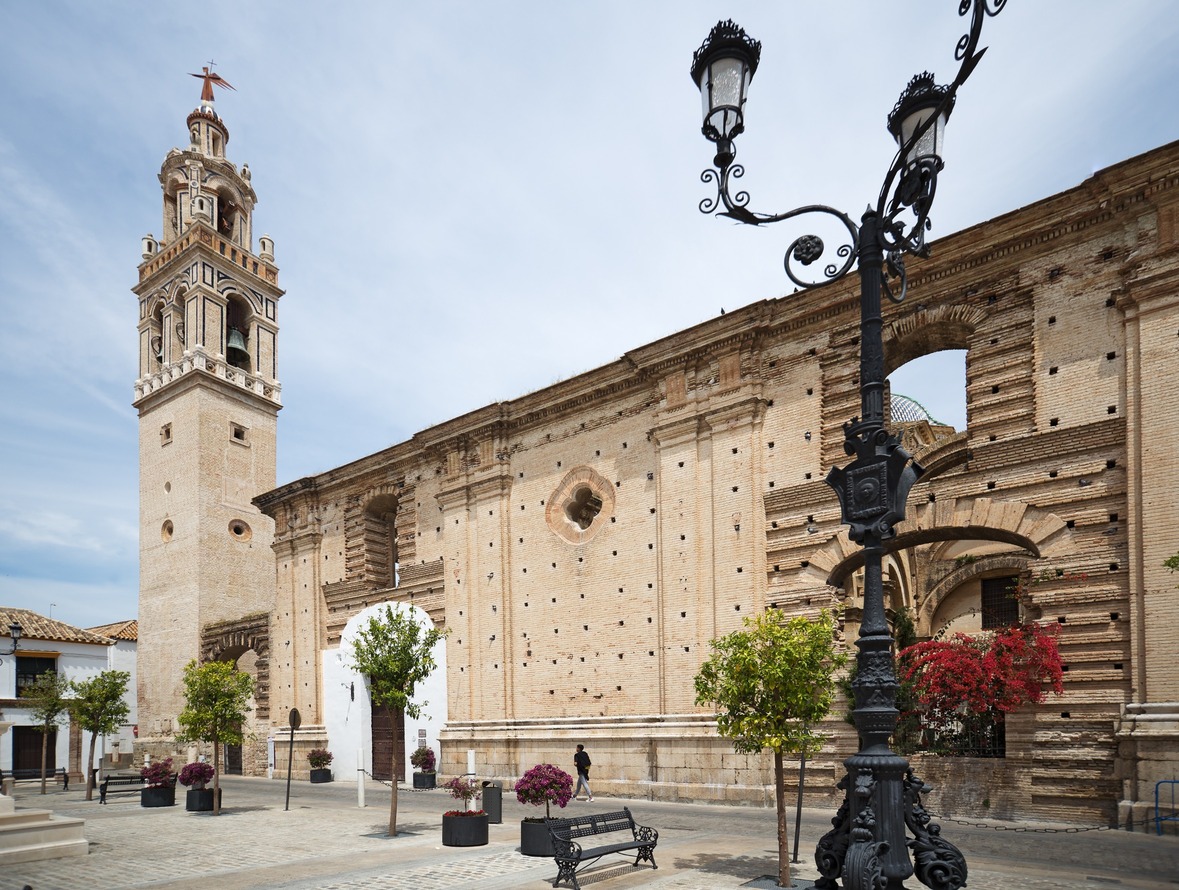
(582, 761)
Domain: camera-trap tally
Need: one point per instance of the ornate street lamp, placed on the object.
(867, 847)
(15, 631)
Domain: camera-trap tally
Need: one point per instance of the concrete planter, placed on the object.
(199, 800)
(464, 831)
(319, 776)
(424, 780)
(162, 796)
(535, 839)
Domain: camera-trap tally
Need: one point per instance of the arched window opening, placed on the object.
(380, 542)
(227, 213)
(156, 337)
(237, 333)
(927, 398)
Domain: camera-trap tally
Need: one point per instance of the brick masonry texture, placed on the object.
(585, 542)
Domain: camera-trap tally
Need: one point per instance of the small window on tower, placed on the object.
(166, 434)
(237, 432)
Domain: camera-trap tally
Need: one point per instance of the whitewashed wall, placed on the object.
(347, 706)
(77, 662)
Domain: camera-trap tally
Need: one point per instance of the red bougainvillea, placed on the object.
(968, 683)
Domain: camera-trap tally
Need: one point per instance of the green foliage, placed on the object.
(46, 699)
(1172, 563)
(394, 652)
(216, 702)
(771, 683)
(98, 705)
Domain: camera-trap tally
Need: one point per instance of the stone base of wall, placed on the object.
(306, 738)
(1148, 753)
(672, 757)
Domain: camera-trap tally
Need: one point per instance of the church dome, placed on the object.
(907, 410)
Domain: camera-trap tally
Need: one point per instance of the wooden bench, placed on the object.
(26, 775)
(120, 785)
(571, 856)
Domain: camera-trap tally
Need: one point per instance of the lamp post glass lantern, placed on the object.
(15, 631)
(867, 848)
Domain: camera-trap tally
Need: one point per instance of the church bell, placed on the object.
(235, 347)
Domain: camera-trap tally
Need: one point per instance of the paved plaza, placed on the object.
(326, 842)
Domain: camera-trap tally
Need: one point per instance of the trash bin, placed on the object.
(493, 802)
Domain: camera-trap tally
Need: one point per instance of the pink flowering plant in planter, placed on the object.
(159, 774)
(320, 758)
(544, 784)
(196, 775)
(423, 759)
(466, 789)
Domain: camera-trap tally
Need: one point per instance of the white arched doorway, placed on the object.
(347, 707)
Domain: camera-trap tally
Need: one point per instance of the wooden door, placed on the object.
(26, 748)
(388, 735)
(233, 760)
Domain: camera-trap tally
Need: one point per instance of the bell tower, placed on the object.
(208, 398)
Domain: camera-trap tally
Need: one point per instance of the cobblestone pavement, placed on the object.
(326, 842)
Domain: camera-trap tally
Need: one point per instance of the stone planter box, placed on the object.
(535, 839)
(319, 776)
(199, 800)
(464, 831)
(424, 780)
(163, 796)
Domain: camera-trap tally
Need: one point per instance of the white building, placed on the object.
(46, 644)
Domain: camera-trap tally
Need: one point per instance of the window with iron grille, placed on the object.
(1000, 608)
(29, 668)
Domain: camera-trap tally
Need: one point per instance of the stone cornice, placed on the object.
(196, 367)
(1000, 243)
(201, 238)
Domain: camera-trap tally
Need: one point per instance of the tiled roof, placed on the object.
(120, 630)
(38, 627)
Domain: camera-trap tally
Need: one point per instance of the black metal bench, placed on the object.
(26, 775)
(571, 855)
(120, 785)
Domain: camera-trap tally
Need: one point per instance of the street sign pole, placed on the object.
(295, 720)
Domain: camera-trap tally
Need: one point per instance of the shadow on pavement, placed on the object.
(748, 867)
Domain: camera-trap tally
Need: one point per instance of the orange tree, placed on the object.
(966, 685)
(771, 684)
(216, 704)
(395, 653)
(46, 699)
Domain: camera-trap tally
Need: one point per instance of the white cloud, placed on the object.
(473, 200)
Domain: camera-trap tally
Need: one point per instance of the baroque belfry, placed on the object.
(208, 399)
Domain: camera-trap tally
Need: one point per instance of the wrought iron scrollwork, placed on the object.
(910, 185)
(832, 847)
(937, 863)
(861, 867)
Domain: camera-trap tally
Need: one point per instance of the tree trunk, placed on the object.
(90, 768)
(217, 777)
(393, 777)
(44, 754)
(784, 879)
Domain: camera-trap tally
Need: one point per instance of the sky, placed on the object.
(471, 201)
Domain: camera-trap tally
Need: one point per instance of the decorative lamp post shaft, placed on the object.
(867, 848)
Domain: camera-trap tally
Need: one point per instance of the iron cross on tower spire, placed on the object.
(209, 77)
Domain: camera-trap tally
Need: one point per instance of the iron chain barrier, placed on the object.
(1021, 828)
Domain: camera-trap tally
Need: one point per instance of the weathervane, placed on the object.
(209, 78)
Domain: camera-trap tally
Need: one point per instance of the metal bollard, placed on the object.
(360, 777)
